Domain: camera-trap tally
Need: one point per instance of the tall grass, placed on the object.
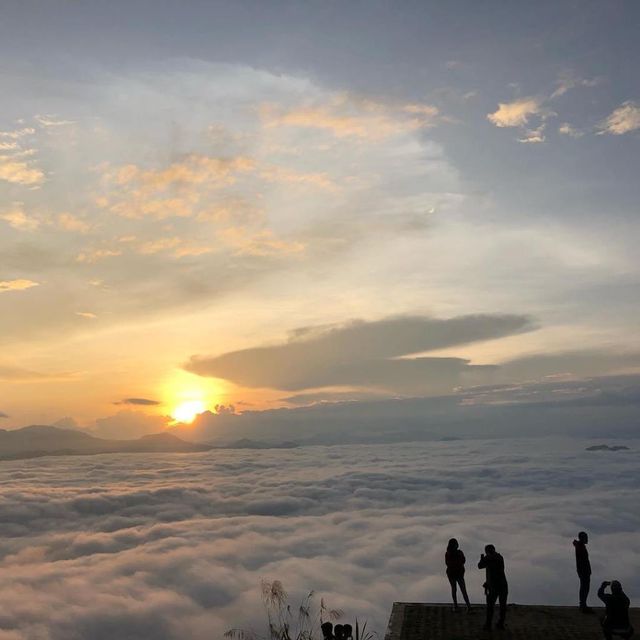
(290, 623)
(362, 633)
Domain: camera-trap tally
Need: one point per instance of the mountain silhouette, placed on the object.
(43, 440)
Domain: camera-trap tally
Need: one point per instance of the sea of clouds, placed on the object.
(167, 547)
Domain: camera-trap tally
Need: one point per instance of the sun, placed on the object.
(187, 411)
(186, 396)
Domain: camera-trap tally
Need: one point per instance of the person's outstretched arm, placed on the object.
(601, 594)
(483, 562)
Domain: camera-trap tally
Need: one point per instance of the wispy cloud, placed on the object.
(193, 169)
(20, 172)
(175, 246)
(533, 136)
(569, 80)
(568, 130)
(624, 119)
(69, 222)
(516, 113)
(16, 285)
(48, 121)
(289, 176)
(17, 133)
(18, 219)
(15, 165)
(92, 256)
(520, 112)
(354, 117)
(244, 241)
(177, 190)
(159, 245)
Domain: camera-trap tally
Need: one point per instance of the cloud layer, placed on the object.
(166, 547)
(606, 406)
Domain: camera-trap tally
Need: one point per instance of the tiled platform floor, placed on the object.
(417, 621)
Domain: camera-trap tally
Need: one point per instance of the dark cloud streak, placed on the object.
(138, 401)
(363, 353)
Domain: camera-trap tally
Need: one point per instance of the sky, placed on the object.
(260, 205)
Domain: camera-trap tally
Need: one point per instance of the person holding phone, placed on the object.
(496, 586)
(616, 621)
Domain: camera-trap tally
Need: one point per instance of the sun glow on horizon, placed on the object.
(188, 411)
(186, 396)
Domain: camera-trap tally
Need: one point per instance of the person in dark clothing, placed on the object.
(583, 567)
(338, 632)
(347, 632)
(454, 559)
(496, 586)
(327, 630)
(616, 621)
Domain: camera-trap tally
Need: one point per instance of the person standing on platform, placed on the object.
(583, 567)
(454, 560)
(495, 586)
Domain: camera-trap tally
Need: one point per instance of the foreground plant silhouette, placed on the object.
(287, 623)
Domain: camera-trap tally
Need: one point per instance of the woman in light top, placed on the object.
(454, 559)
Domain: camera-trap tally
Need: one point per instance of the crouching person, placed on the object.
(616, 621)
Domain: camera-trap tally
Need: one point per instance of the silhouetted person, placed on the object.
(583, 567)
(347, 632)
(495, 586)
(616, 621)
(338, 632)
(454, 559)
(327, 630)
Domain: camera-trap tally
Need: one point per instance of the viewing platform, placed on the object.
(430, 621)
